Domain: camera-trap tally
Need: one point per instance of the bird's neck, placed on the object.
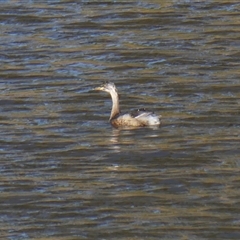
(115, 105)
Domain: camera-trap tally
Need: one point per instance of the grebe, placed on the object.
(138, 118)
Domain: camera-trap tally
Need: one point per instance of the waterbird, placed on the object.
(138, 118)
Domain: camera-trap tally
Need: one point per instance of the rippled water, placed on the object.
(66, 173)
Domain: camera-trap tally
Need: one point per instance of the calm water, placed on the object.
(65, 173)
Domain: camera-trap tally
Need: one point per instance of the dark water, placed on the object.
(66, 174)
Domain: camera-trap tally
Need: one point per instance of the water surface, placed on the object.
(66, 173)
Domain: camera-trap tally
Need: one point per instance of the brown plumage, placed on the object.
(139, 118)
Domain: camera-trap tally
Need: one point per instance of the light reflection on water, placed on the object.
(66, 173)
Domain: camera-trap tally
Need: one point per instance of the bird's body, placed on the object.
(138, 118)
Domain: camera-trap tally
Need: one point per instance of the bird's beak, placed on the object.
(99, 88)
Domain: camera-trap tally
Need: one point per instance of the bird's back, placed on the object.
(138, 118)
